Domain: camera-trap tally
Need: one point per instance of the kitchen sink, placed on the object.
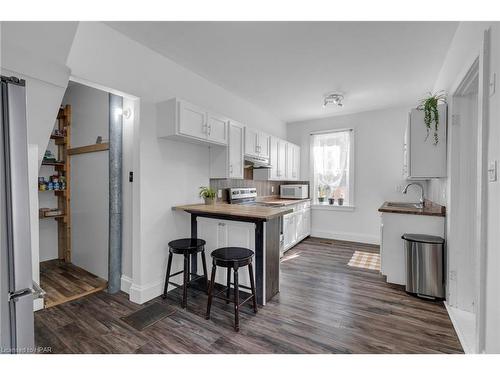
(403, 204)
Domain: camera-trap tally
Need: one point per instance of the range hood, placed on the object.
(252, 161)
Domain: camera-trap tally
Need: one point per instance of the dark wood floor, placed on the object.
(64, 282)
(324, 306)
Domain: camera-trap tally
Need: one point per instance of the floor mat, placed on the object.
(362, 259)
(148, 315)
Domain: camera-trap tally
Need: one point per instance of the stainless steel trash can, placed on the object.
(424, 256)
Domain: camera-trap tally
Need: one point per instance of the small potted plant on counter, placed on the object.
(208, 194)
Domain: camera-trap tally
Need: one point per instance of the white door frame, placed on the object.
(482, 57)
(134, 102)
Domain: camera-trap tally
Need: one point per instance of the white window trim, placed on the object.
(351, 206)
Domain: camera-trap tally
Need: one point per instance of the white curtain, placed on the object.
(331, 152)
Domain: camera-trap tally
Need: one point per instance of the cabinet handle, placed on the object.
(230, 168)
(222, 224)
(209, 127)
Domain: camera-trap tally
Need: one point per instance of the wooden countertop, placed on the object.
(223, 210)
(430, 209)
(282, 201)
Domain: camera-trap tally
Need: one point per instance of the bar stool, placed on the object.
(186, 247)
(232, 257)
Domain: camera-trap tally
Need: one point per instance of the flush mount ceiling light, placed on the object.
(333, 98)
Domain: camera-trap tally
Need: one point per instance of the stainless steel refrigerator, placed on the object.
(16, 282)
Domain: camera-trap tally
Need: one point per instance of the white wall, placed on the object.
(170, 172)
(463, 50)
(89, 179)
(37, 52)
(378, 171)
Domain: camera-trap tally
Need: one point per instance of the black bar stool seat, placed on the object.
(232, 258)
(185, 247)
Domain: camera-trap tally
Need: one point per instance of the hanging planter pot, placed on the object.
(431, 115)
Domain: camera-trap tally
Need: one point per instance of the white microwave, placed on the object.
(294, 191)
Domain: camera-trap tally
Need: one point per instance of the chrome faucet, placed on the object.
(422, 202)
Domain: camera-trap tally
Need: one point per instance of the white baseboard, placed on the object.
(38, 304)
(458, 329)
(125, 284)
(345, 236)
(143, 293)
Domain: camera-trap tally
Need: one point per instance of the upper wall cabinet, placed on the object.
(292, 161)
(227, 162)
(180, 119)
(423, 157)
(257, 143)
(285, 162)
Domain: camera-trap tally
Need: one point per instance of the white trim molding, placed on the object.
(346, 236)
(325, 207)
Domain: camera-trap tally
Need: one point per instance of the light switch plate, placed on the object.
(492, 171)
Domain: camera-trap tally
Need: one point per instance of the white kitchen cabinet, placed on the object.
(192, 120)
(292, 161)
(282, 162)
(285, 162)
(392, 227)
(222, 233)
(179, 119)
(227, 162)
(289, 230)
(251, 141)
(256, 143)
(273, 159)
(217, 128)
(296, 225)
(263, 143)
(422, 158)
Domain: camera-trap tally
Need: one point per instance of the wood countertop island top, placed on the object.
(429, 209)
(234, 211)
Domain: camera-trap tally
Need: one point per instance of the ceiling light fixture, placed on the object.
(333, 98)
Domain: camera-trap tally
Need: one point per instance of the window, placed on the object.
(332, 175)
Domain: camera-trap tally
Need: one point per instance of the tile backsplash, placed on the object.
(264, 188)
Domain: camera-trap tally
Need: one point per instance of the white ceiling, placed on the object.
(287, 67)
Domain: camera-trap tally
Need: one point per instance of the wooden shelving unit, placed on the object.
(64, 200)
(63, 196)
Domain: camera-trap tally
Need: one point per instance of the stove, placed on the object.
(247, 196)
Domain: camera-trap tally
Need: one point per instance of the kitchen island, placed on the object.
(255, 227)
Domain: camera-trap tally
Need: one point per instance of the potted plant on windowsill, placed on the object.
(208, 194)
(322, 190)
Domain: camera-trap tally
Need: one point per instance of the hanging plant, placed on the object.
(431, 115)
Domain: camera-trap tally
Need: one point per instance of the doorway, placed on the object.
(463, 255)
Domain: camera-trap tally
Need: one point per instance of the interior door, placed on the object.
(192, 120)
(16, 313)
(235, 150)
(251, 142)
(217, 128)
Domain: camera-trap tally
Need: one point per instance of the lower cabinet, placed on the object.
(223, 233)
(296, 225)
(392, 250)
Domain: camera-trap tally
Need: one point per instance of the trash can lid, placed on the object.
(425, 238)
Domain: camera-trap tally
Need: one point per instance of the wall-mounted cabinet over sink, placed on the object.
(423, 158)
(185, 121)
